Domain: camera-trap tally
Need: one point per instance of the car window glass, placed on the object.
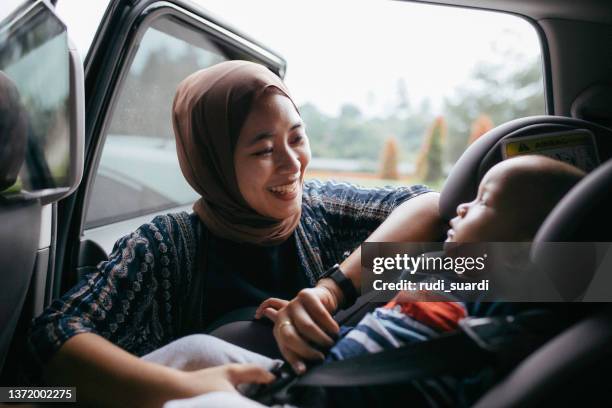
(138, 172)
(397, 91)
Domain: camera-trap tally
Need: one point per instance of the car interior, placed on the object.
(43, 249)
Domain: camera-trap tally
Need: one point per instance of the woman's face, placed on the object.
(271, 156)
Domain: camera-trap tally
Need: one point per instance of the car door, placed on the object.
(41, 160)
(142, 50)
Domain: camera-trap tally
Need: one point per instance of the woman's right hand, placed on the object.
(222, 378)
(305, 326)
(106, 375)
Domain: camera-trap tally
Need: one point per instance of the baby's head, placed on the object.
(514, 198)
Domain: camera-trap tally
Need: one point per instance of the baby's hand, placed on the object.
(269, 308)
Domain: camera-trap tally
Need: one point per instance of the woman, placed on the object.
(258, 232)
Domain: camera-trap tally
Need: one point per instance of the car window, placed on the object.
(397, 91)
(138, 172)
(400, 113)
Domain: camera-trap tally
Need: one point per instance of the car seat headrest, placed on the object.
(584, 213)
(462, 183)
(594, 104)
(580, 221)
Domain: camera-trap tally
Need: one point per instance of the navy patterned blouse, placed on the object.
(140, 297)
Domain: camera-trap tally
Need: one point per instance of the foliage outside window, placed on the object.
(424, 145)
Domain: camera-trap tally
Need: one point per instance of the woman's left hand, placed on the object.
(305, 326)
(269, 308)
(302, 323)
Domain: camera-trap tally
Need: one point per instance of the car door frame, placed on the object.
(106, 66)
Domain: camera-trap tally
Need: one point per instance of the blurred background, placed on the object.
(391, 92)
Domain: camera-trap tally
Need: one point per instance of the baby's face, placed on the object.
(488, 218)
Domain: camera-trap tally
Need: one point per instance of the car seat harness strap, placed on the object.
(498, 342)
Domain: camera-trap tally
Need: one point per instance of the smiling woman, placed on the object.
(258, 233)
(265, 234)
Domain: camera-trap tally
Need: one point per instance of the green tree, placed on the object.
(351, 138)
(352, 135)
(319, 130)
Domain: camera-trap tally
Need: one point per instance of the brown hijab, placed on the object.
(208, 112)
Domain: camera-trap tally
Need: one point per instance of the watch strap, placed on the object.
(349, 293)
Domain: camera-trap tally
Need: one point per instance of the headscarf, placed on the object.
(208, 112)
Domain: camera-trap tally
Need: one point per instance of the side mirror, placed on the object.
(42, 118)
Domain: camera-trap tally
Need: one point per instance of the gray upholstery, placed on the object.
(584, 213)
(19, 238)
(252, 335)
(563, 372)
(582, 217)
(567, 370)
(462, 183)
(594, 104)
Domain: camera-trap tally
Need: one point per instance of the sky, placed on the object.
(356, 51)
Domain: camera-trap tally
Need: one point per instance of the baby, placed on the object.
(513, 199)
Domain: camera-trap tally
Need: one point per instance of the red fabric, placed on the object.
(440, 316)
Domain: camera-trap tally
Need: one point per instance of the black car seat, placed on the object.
(581, 216)
(570, 369)
(584, 214)
(30, 182)
(462, 183)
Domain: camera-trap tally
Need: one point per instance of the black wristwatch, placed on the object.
(346, 286)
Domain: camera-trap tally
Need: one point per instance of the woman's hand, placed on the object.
(269, 308)
(222, 378)
(304, 326)
(108, 376)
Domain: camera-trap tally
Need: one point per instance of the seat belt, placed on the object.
(449, 354)
(364, 303)
(481, 342)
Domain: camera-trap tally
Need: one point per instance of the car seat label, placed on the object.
(575, 147)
